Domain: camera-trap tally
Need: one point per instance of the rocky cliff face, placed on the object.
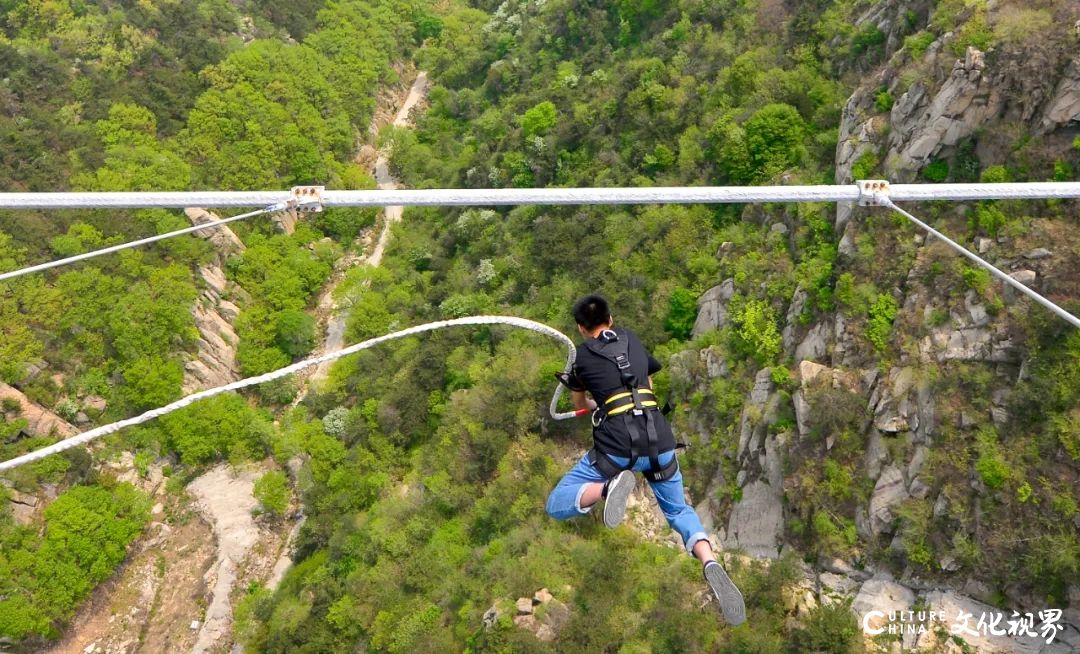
(1034, 86)
(895, 426)
(215, 361)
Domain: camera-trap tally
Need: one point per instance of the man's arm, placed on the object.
(581, 400)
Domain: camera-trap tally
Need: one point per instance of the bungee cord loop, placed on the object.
(112, 428)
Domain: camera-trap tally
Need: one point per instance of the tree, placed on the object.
(774, 140)
(86, 534)
(756, 334)
(682, 312)
(224, 425)
(272, 491)
(152, 381)
(295, 333)
(538, 120)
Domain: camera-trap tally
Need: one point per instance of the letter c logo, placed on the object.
(866, 623)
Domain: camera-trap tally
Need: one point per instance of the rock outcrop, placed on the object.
(1064, 107)
(757, 521)
(285, 221)
(542, 614)
(889, 493)
(712, 308)
(224, 240)
(923, 124)
(757, 518)
(39, 420)
(214, 363)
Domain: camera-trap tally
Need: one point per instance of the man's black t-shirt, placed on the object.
(602, 378)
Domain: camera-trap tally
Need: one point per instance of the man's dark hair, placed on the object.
(591, 311)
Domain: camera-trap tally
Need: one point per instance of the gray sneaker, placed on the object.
(618, 492)
(731, 600)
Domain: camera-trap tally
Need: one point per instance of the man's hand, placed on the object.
(582, 401)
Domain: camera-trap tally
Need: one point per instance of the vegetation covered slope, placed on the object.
(173, 96)
(447, 512)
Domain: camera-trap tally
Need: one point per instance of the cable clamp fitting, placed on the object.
(873, 192)
(306, 199)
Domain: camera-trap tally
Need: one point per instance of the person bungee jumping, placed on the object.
(630, 434)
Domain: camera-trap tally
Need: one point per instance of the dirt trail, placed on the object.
(224, 496)
(337, 318)
(158, 601)
(151, 602)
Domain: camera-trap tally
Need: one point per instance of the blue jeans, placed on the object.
(564, 502)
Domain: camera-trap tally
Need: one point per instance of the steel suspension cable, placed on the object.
(143, 241)
(1068, 317)
(311, 198)
(97, 432)
(552, 196)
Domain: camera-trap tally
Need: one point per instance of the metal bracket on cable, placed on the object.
(307, 199)
(873, 192)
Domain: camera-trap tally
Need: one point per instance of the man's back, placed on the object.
(601, 377)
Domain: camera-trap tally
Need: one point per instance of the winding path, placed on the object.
(226, 498)
(337, 315)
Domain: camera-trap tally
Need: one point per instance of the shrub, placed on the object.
(1015, 25)
(865, 166)
(883, 101)
(936, 171)
(280, 391)
(966, 163)
(837, 480)
(939, 317)
(975, 33)
(835, 410)
(917, 44)
(1064, 504)
(682, 312)
(987, 218)
(990, 465)
(272, 491)
(977, 279)
(1067, 429)
(67, 409)
(1063, 171)
(829, 628)
(882, 314)
(781, 376)
(868, 40)
(756, 334)
(995, 175)
(1052, 560)
(1023, 492)
(845, 292)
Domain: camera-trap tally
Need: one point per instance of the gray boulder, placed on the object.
(712, 308)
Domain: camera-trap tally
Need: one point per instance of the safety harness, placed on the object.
(627, 406)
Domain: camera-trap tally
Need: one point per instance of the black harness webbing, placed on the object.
(609, 346)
